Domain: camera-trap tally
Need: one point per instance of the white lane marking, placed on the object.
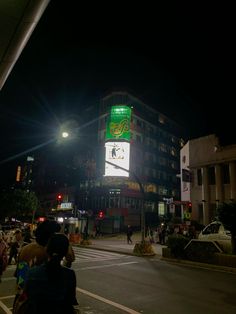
(89, 259)
(8, 278)
(105, 266)
(117, 305)
(87, 252)
(5, 308)
(82, 255)
(7, 297)
(94, 250)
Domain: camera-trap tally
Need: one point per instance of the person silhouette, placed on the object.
(51, 287)
(129, 234)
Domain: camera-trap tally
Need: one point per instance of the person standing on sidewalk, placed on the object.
(129, 234)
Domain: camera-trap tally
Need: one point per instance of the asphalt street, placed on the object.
(111, 280)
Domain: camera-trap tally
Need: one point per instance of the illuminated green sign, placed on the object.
(118, 125)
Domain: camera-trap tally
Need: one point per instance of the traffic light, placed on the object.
(101, 214)
(59, 198)
(189, 207)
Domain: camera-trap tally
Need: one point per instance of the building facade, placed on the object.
(208, 176)
(155, 142)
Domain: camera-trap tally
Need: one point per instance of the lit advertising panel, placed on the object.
(118, 126)
(118, 153)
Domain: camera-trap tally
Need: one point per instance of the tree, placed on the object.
(18, 203)
(227, 215)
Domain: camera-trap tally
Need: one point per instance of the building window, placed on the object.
(151, 130)
(161, 119)
(146, 171)
(211, 175)
(225, 174)
(199, 176)
(162, 161)
(154, 173)
(161, 208)
(139, 123)
(162, 148)
(163, 190)
(172, 164)
(173, 151)
(138, 138)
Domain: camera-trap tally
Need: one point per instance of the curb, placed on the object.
(170, 260)
(123, 251)
(200, 265)
(100, 248)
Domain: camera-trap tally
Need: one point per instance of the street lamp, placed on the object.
(64, 134)
(143, 194)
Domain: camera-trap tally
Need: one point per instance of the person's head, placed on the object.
(45, 230)
(18, 234)
(58, 245)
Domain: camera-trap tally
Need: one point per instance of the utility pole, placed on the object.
(142, 201)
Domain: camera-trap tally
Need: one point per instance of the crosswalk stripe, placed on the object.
(82, 254)
(96, 252)
(80, 249)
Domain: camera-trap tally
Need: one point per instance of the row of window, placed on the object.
(155, 174)
(123, 202)
(161, 160)
(152, 129)
(150, 142)
(225, 176)
(139, 138)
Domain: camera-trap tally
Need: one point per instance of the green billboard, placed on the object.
(118, 124)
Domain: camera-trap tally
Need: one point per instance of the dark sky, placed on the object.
(178, 59)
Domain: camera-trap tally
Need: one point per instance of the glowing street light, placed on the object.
(64, 134)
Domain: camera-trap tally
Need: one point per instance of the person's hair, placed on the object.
(45, 230)
(57, 248)
(17, 231)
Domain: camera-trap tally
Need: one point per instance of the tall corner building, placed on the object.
(147, 154)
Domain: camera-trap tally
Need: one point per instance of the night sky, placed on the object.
(178, 59)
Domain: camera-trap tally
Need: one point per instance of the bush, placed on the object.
(144, 248)
(177, 243)
(197, 225)
(201, 251)
(85, 242)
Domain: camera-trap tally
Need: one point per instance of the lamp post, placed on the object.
(142, 201)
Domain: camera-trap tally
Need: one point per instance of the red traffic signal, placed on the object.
(59, 197)
(190, 207)
(101, 214)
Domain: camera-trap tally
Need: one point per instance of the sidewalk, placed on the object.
(118, 243)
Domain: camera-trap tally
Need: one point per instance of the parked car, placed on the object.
(216, 231)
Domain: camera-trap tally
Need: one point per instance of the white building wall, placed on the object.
(200, 154)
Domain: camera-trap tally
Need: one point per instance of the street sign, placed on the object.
(168, 200)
